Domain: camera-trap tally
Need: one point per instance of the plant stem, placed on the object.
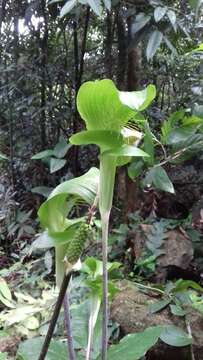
(107, 179)
(67, 323)
(105, 226)
(60, 251)
(55, 316)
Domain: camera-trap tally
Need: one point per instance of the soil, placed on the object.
(130, 310)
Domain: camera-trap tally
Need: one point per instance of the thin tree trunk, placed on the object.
(122, 50)
(44, 43)
(108, 45)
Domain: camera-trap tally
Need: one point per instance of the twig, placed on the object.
(55, 316)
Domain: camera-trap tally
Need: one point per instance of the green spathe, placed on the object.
(103, 107)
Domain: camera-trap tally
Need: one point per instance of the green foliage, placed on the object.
(174, 336)
(96, 6)
(117, 106)
(55, 163)
(135, 345)
(5, 294)
(158, 177)
(30, 349)
(154, 43)
(53, 212)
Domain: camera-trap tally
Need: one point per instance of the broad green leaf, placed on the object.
(96, 6)
(106, 139)
(6, 302)
(42, 155)
(180, 134)
(149, 145)
(182, 285)
(140, 21)
(69, 5)
(53, 213)
(135, 346)
(135, 168)
(3, 156)
(84, 186)
(158, 305)
(49, 238)
(126, 150)
(30, 349)
(158, 177)
(61, 149)
(159, 12)
(100, 107)
(107, 4)
(177, 310)
(94, 268)
(172, 18)
(138, 100)
(54, 210)
(56, 164)
(190, 146)
(5, 294)
(174, 336)
(154, 43)
(4, 289)
(192, 120)
(169, 124)
(42, 190)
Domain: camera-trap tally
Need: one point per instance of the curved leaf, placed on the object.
(135, 346)
(100, 107)
(126, 150)
(49, 239)
(96, 6)
(3, 156)
(54, 210)
(138, 100)
(158, 177)
(140, 21)
(174, 336)
(56, 164)
(154, 42)
(30, 349)
(104, 138)
(61, 148)
(159, 13)
(69, 5)
(42, 154)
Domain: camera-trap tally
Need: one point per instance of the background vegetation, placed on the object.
(47, 50)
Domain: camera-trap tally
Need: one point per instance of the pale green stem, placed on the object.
(60, 252)
(107, 180)
(94, 311)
